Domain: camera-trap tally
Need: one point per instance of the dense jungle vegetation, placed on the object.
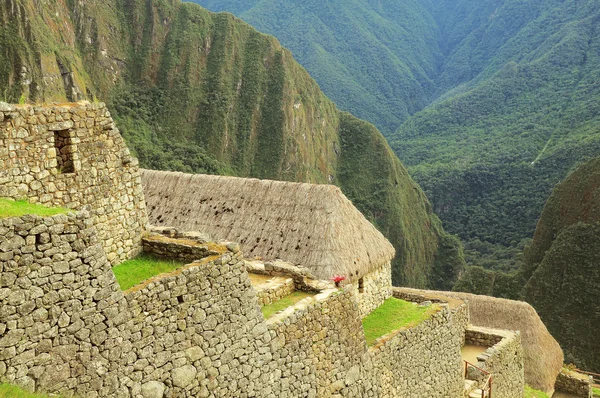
(489, 103)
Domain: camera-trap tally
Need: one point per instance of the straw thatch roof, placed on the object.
(543, 356)
(314, 226)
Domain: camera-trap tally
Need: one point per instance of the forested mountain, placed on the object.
(510, 91)
(201, 92)
(489, 153)
(374, 58)
(560, 273)
(561, 266)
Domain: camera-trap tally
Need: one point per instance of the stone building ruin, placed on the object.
(67, 327)
(74, 156)
(309, 225)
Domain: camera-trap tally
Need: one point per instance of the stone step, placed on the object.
(470, 385)
(476, 393)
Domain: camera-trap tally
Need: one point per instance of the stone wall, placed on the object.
(574, 383)
(74, 156)
(60, 307)
(373, 289)
(503, 359)
(423, 361)
(274, 289)
(67, 327)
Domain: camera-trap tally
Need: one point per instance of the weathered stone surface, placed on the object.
(200, 331)
(183, 376)
(62, 156)
(153, 389)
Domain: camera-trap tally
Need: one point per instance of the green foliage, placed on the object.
(380, 187)
(489, 152)
(596, 391)
(373, 59)
(478, 280)
(200, 92)
(283, 303)
(18, 208)
(132, 272)
(564, 291)
(533, 393)
(393, 315)
(12, 391)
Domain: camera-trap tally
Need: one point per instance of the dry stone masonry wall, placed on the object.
(422, 361)
(373, 289)
(74, 156)
(571, 382)
(197, 332)
(503, 359)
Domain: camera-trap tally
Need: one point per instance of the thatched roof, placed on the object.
(543, 356)
(314, 226)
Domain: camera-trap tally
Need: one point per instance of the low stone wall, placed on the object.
(73, 156)
(458, 308)
(574, 383)
(423, 361)
(67, 327)
(481, 337)
(373, 289)
(542, 355)
(275, 289)
(303, 279)
(503, 359)
(183, 249)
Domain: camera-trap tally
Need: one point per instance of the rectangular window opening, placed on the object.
(361, 285)
(65, 151)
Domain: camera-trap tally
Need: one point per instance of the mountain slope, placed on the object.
(489, 152)
(509, 90)
(376, 59)
(202, 92)
(563, 260)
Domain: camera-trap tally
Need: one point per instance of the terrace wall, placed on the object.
(74, 156)
(503, 359)
(574, 383)
(197, 332)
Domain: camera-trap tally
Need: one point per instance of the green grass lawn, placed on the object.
(270, 309)
(10, 391)
(144, 266)
(596, 391)
(532, 393)
(392, 315)
(18, 208)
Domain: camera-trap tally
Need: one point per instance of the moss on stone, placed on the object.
(271, 309)
(533, 393)
(141, 268)
(11, 391)
(394, 314)
(18, 208)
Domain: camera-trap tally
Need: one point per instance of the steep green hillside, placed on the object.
(510, 90)
(560, 273)
(489, 152)
(563, 266)
(376, 59)
(202, 92)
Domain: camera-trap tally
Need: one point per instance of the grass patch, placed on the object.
(596, 391)
(392, 315)
(533, 393)
(144, 266)
(18, 208)
(270, 309)
(10, 391)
